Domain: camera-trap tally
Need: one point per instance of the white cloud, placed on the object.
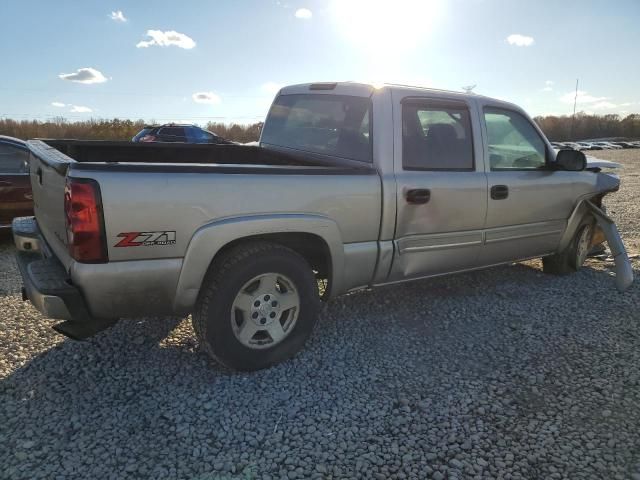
(118, 16)
(271, 88)
(548, 83)
(583, 97)
(80, 109)
(627, 104)
(304, 13)
(166, 39)
(206, 97)
(520, 40)
(603, 105)
(84, 75)
(547, 89)
(58, 104)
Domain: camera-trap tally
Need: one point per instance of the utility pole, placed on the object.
(573, 118)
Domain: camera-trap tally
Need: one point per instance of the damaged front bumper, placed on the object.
(624, 271)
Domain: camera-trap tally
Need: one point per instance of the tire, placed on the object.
(573, 257)
(256, 286)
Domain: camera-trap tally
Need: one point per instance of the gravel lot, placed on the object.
(506, 373)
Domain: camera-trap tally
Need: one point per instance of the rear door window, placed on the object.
(436, 136)
(173, 134)
(13, 160)
(336, 125)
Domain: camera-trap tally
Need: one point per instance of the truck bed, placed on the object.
(110, 152)
(181, 188)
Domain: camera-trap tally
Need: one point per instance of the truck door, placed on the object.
(529, 202)
(441, 187)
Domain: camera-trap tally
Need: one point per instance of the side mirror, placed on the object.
(571, 160)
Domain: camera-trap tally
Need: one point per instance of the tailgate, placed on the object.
(47, 169)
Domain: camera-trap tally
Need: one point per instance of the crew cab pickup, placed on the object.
(350, 187)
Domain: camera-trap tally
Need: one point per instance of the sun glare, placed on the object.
(385, 26)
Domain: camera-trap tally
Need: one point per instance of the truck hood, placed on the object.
(593, 162)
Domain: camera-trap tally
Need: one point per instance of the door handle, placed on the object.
(499, 192)
(417, 196)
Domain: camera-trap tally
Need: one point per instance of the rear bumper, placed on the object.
(47, 285)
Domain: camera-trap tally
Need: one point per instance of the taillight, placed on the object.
(84, 221)
(148, 138)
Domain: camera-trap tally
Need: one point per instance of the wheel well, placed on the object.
(311, 247)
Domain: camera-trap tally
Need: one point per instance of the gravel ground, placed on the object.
(505, 373)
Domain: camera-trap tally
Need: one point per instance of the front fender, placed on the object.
(624, 271)
(209, 239)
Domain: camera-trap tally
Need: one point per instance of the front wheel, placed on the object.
(574, 256)
(257, 306)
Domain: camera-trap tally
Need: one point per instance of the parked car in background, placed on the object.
(175, 133)
(627, 144)
(608, 145)
(587, 146)
(15, 189)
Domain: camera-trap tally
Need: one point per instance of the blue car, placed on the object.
(175, 133)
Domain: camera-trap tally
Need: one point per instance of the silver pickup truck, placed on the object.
(350, 187)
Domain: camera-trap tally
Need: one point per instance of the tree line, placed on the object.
(114, 129)
(557, 128)
(587, 127)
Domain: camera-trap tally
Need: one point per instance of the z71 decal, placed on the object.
(146, 239)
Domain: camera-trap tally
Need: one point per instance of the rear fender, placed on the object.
(209, 239)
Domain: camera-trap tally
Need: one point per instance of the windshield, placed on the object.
(336, 125)
(141, 134)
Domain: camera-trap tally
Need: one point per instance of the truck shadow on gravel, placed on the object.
(442, 345)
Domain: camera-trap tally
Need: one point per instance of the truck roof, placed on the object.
(367, 89)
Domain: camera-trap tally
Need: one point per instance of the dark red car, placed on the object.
(16, 199)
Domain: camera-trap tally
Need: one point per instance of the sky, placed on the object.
(204, 60)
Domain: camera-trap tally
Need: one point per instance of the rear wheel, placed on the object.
(257, 306)
(574, 256)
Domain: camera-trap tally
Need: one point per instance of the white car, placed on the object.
(608, 145)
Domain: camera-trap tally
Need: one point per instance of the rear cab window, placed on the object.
(334, 125)
(436, 135)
